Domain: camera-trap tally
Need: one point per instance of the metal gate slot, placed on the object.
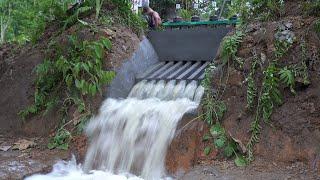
(179, 70)
(151, 70)
(160, 70)
(170, 70)
(192, 68)
(198, 71)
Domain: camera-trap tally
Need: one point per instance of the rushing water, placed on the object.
(131, 136)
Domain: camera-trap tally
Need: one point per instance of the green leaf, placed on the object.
(240, 161)
(76, 70)
(229, 149)
(216, 130)
(86, 67)
(219, 143)
(206, 137)
(51, 145)
(207, 150)
(69, 80)
(92, 89)
(106, 43)
(98, 51)
(64, 146)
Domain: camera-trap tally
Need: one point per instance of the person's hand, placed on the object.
(156, 19)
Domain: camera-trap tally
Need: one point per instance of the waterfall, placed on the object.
(131, 136)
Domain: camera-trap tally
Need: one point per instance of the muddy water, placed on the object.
(129, 137)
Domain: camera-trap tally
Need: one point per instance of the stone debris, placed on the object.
(23, 144)
(5, 148)
(285, 33)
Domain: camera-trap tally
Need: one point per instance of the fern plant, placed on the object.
(271, 95)
(80, 72)
(282, 48)
(287, 77)
(230, 46)
(251, 87)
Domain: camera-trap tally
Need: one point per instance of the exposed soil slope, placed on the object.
(17, 73)
(293, 134)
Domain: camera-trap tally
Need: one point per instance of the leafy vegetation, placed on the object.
(25, 20)
(185, 14)
(252, 88)
(73, 71)
(80, 72)
(126, 17)
(263, 10)
(317, 27)
(312, 7)
(61, 140)
(265, 81)
(270, 95)
(68, 79)
(230, 46)
(214, 111)
(287, 77)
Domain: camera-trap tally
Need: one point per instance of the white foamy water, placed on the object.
(71, 171)
(131, 136)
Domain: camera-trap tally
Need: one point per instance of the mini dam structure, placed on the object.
(154, 94)
(181, 51)
(163, 78)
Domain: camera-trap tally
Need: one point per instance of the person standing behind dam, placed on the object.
(151, 16)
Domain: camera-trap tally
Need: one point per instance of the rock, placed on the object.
(109, 33)
(285, 35)
(288, 25)
(5, 148)
(23, 144)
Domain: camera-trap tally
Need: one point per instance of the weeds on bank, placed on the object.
(270, 96)
(22, 21)
(230, 46)
(214, 111)
(262, 97)
(263, 10)
(68, 79)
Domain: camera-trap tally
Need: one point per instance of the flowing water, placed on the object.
(131, 136)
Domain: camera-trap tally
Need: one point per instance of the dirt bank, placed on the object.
(17, 75)
(293, 134)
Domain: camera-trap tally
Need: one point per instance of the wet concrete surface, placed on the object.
(258, 170)
(17, 164)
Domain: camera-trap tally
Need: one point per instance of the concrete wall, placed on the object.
(126, 75)
(188, 44)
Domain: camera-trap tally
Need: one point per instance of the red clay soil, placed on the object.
(294, 132)
(17, 75)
